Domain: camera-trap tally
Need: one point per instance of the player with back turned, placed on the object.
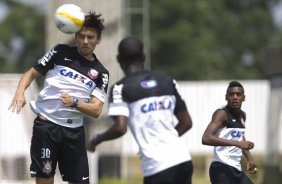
(149, 103)
(226, 132)
(75, 84)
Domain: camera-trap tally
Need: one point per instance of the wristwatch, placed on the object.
(75, 102)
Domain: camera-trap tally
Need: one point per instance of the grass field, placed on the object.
(200, 175)
(140, 181)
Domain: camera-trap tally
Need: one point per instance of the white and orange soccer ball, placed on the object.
(69, 18)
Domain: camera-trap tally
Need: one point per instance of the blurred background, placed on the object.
(203, 44)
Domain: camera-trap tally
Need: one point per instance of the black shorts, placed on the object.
(179, 174)
(52, 144)
(224, 174)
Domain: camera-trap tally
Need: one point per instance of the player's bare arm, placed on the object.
(92, 108)
(19, 100)
(184, 122)
(251, 165)
(118, 129)
(218, 121)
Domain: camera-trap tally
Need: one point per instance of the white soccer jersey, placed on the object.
(68, 72)
(235, 130)
(150, 100)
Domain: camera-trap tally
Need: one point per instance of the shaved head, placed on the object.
(130, 49)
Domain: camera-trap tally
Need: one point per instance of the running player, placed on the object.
(75, 83)
(149, 102)
(226, 133)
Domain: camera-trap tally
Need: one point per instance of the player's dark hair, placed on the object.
(234, 84)
(93, 20)
(130, 49)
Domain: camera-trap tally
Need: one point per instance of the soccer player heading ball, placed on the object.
(75, 84)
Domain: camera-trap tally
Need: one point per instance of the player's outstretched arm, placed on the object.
(19, 100)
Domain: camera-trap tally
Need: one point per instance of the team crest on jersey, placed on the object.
(93, 74)
(47, 167)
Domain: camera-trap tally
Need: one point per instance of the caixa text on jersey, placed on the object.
(77, 77)
(164, 104)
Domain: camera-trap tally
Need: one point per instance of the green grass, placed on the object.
(195, 179)
(200, 174)
(118, 181)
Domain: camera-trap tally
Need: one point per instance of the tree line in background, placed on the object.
(22, 37)
(191, 40)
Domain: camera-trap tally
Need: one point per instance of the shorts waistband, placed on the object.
(43, 119)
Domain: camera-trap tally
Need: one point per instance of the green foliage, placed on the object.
(191, 40)
(207, 40)
(21, 37)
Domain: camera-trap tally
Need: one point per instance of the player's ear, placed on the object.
(118, 58)
(244, 98)
(99, 39)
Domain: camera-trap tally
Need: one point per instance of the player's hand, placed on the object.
(246, 145)
(91, 147)
(67, 100)
(252, 167)
(17, 103)
(93, 142)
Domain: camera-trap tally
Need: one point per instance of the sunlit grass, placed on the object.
(200, 174)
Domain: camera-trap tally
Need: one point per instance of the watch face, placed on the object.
(75, 102)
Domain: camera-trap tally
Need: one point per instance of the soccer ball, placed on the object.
(69, 18)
